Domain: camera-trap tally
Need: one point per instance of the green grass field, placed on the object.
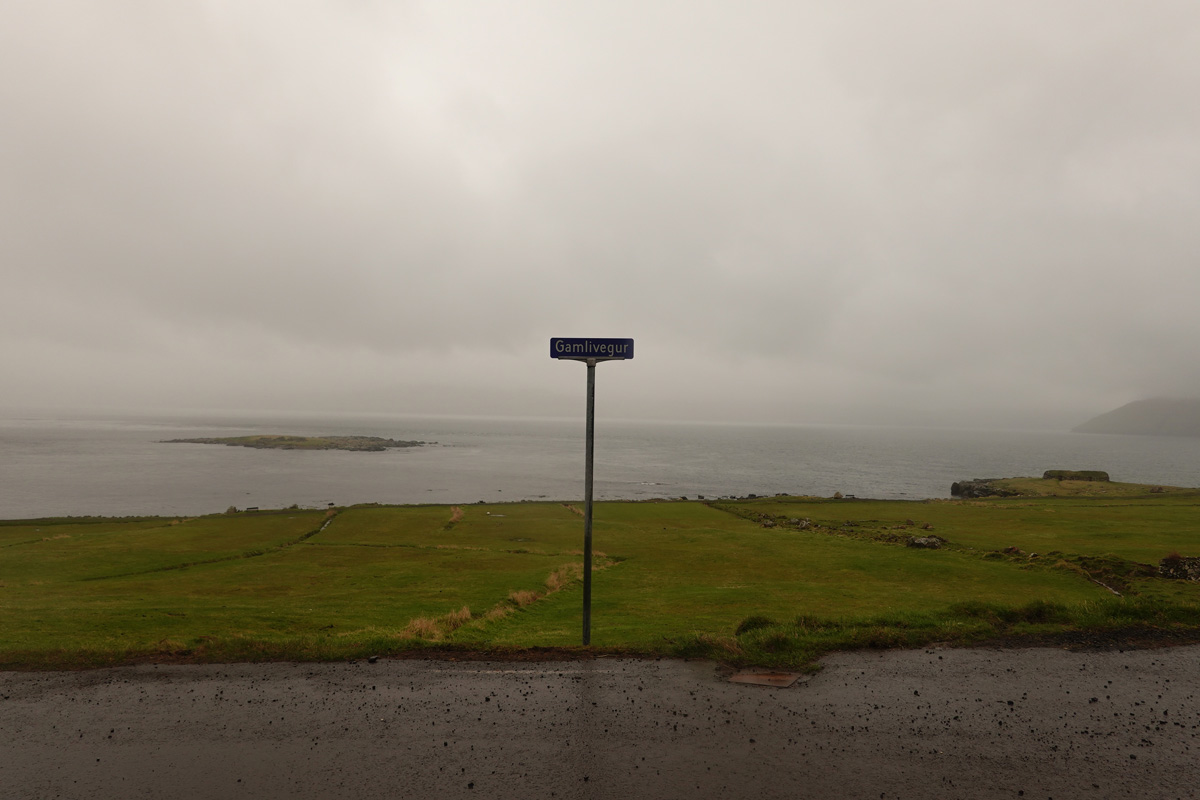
(769, 581)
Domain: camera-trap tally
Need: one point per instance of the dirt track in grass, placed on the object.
(979, 723)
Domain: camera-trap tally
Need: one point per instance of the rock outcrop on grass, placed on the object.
(1180, 567)
(980, 487)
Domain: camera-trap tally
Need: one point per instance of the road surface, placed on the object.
(981, 723)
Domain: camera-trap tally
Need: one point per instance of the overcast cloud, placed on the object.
(863, 211)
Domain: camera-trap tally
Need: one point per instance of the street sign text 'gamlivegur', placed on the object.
(590, 352)
(599, 349)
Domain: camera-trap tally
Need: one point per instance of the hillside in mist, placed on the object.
(1158, 416)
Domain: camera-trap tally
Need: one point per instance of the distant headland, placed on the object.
(1159, 416)
(274, 442)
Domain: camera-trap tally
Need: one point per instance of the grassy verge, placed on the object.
(775, 582)
(800, 642)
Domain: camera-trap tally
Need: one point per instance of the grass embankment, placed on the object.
(777, 581)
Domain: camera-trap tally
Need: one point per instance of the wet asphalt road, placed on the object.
(929, 723)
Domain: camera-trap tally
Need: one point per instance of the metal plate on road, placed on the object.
(755, 678)
(599, 349)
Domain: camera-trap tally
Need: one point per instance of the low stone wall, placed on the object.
(1075, 475)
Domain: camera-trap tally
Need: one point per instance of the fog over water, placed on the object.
(866, 212)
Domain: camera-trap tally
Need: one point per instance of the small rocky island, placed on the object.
(1059, 483)
(274, 442)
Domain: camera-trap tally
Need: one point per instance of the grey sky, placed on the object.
(802, 211)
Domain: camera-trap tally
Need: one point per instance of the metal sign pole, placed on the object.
(590, 352)
(587, 501)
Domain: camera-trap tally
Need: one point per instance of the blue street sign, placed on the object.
(590, 352)
(599, 349)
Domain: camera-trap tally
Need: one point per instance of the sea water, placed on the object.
(74, 466)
